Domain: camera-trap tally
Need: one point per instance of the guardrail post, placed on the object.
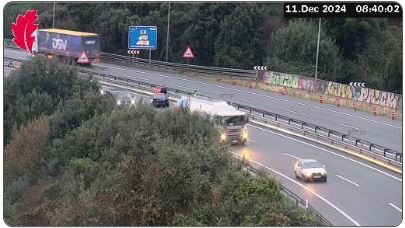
(385, 150)
(343, 137)
(398, 155)
(369, 147)
(302, 125)
(276, 117)
(316, 128)
(328, 133)
(289, 121)
(355, 143)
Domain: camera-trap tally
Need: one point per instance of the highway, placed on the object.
(357, 192)
(360, 191)
(377, 129)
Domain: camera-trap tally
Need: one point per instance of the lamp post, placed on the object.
(53, 15)
(167, 35)
(317, 50)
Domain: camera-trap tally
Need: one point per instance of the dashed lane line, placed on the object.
(392, 205)
(257, 94)
(306, 188)
(345, 179)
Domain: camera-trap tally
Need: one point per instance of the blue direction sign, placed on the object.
(142, 37)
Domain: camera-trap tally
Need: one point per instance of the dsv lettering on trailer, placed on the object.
(59, 44)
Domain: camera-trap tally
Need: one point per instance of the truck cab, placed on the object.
(230, 122)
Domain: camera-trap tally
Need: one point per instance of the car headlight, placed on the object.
(245, 135)
(307, 174)
(323, 172)
(223, 136)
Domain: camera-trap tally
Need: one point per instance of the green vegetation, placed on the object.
(242, 35)
(75, 159)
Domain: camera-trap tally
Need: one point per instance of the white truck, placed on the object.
(230, 121)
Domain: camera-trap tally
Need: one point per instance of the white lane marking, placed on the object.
(144, 79)
(261, 95)
(181, 86)
(351, 182)
(344, 125)
(251, 141)
(328, 151)
(287, 110)
(242, 100)
(253, 93)
(392, 205)
(306, 188)
(292, 156)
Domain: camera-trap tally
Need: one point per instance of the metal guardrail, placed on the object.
(373, 150)
(376, 151)
(295, 198)
(240, 73)
(286, 192)
(331, 136)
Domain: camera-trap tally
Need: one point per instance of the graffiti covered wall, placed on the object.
(344, 91)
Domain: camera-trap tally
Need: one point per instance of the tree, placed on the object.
(239, 42)
(140, 167)
(293, 50)
(26, 147)
(37, 88)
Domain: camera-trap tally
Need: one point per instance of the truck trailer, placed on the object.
(230, 122)
(71, 46)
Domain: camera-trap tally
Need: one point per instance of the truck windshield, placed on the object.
(233, 120)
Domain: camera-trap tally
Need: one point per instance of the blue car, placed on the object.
(160, 100)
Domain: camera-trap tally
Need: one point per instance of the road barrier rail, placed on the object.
(252, 168)
(326, 135)
(123, 59)
(375, 151)
(239, 73)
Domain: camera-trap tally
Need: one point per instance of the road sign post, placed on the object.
(150, 52)
(257, 69)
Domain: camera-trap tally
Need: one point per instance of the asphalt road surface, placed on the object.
(357, 192)
(377, 129)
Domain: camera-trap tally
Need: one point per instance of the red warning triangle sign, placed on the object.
(83, 58)
(188, 53)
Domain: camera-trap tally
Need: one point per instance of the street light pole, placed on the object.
(167, 35)
(53, 15)
(317, 50)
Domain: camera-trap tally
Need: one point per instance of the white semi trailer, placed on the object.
(230, 121)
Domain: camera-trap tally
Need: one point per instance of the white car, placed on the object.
(310, 169)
